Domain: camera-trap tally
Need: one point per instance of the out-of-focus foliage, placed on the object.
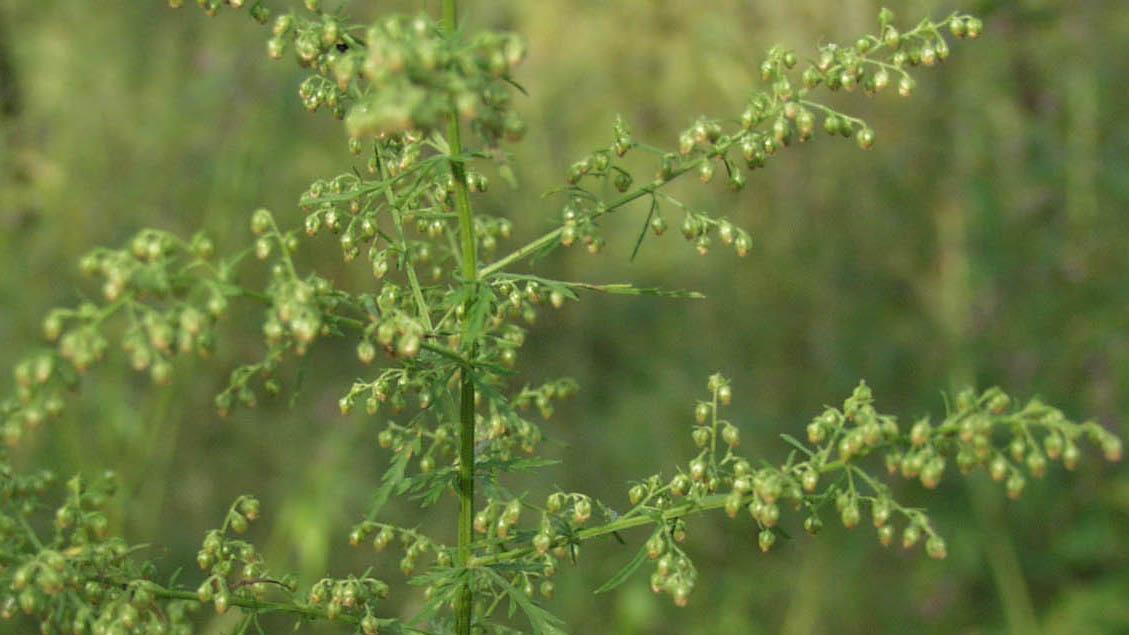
(984, 241)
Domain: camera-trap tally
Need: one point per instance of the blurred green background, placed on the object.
(983, 241)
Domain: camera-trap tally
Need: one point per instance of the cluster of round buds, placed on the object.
(394, 387)
(674, 573)
(134, 611)
(488, 230)
(769, 487)
(436, 225)
(22, 490)
(318, 92)
(546, 588)
(145, 267)
(512, 300)
(152, 341)
(858, 427)
(963, 26)
(504, 434)
(40, 380)
(414, 544)
(848, 67)
(702, 135)
(703, 146)
(700, 478)
(922, 460)
(401, 439)
(211, 8)
(699, 229)
(94, 608)
(240, 391)
(398, 438)
(577, 218)
(50, 573)
(330, 202)
(82, 347)
(414, 73)
(498, 519)
(351, 596)
(542, 396)
(316, 40)
(621, 138)
(295, 309)
(350, 208)
(397, 333)
(47, 574)
(773, 119)
(575, 508)
(235, 567)
(555, 539)
(705, 417)
(650, 491)
(882, 510)
(268, 237)
(144, 270)
(719, 386)
(1040, 434)
(917, 528)
(321, 43)
(599, 164)
(81, 518)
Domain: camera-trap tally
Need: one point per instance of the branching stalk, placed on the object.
(465, 604)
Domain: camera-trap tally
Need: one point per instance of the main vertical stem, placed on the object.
(464, 609)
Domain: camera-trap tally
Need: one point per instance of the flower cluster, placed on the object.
(783, 115)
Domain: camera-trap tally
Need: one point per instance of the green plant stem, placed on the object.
(547, 239)
(311, 612)
(639, 517)
(553, 236)
(681, 510)
(464, 608)
(1003, 562)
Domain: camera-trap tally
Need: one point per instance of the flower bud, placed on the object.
(935, 547)
(1015, 485)
(865, 138)
(910, 536)
(1070, 455)
(1111, 445)
(731, 435)
(765, 539)
(974, 27)
(261, 221)
(582, 510)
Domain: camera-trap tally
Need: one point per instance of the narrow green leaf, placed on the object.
(511, 82)
(796, 443)
(429, 487)
(542, 621)
(627, 289)
(299, 384)
(489, 466)
(479, 312)
(620, 288)
(389, 483)
(625, 572)
(646, 225)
